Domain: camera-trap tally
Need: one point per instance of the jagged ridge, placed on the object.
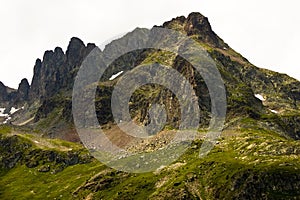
(253, 151)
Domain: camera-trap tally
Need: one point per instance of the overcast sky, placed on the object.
(266, 32)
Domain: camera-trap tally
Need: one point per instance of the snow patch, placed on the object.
(274, 111)
(13, 110)
(6, 121)
(115, 75)
(260, 97)
(2, 113)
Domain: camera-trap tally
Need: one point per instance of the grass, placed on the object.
(4, 129)
(27, 183)
(163, 57)
(52, 119)
(227, 171)
(213, 176)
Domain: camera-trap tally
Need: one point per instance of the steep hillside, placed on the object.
(256, 156)
(246, 164)
(48, 100)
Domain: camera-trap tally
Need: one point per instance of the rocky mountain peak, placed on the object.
(90, 46)
(11, 97)
(48, 55)
(36, 79)
(75, 51)
(24, 85)
(178, 20)
(58, 51)
(3, 92)
(257, 146)
(198, 26)
(23, 90)
(54, 76)
(75, 42)
(37, 66)
(57, 69)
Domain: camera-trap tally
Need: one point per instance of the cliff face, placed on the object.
(10, 97)
(57, 70)
(51, 87)
(3, 93)
(196, 25)
(257, 156)
(23, 91)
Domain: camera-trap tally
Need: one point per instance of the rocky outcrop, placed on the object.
(57, 70)
(11, 97)
(252, 160)
(198, 26)
(23, 91)
(54, 75)
(3, 93)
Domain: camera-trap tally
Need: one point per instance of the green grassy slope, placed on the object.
(246, 164)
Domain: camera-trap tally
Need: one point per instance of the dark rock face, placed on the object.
(3, 92)
(196, 25)
(75, 52)
(57, 70)
(54, 76)
(52, 86)
(9, 97)
(36, 80)
(23, 91)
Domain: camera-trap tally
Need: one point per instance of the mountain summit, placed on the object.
(54, 75)
(256, 156)
(196, 25)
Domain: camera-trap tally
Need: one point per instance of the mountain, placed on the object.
(12, 96)
(52, 83)
(256, 156)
